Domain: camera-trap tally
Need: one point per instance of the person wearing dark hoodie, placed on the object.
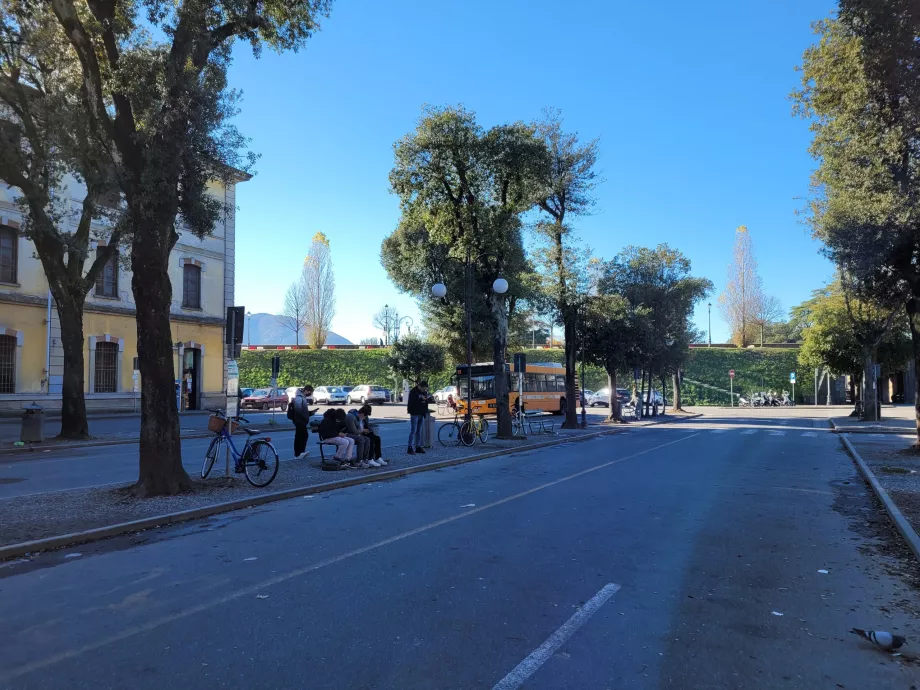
(332, 430)
(354, 429)
(301, 417)
(417, 407)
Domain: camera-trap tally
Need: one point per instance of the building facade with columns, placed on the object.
(31, 356)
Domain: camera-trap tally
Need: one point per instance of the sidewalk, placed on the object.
(897, 419)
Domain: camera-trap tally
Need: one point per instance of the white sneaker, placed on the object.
(373, 463)
(381, 462)
(363, 465)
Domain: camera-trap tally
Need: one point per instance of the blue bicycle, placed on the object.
(258, 460)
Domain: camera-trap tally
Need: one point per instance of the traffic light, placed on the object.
(276, 366)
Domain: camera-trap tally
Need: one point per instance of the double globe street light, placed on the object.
(439, 290)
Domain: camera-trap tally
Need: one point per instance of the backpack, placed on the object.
(290, 410)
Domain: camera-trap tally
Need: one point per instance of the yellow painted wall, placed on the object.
(31, 321)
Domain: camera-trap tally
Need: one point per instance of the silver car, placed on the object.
(329, 395)
(367, 394)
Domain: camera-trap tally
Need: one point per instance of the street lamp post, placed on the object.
(439, 290)
(399, 322)
(710, 323)
(248, 329)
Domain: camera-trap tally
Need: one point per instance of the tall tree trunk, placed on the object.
(869, 386)
(161, 470)
(676, 403)
(74, 424)
(571, 397)
(499, 344)
(664, 402)
(648, 394)
(913, 318)
(614, 400)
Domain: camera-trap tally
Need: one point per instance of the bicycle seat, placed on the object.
(249, 431)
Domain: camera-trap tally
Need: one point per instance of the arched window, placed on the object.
(105, 375)
(8, 363)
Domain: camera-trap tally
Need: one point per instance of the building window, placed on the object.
(9, 245)
(107, 280)
(8, 363)
(105, 376)
(191, 286)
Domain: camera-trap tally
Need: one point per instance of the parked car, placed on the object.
(602, 397)
(265, 399)
(329, 395)
(246, 392)
(441, 394)
(367, 394)
(347, 389)
(292, 392)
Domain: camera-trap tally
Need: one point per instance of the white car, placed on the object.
(328, 395)
(441, 394)
(367, 394)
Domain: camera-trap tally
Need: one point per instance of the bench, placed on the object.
(322, 456)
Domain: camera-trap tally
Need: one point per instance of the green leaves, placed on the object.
(411, 358)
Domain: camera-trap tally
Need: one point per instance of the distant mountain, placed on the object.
(268, 330)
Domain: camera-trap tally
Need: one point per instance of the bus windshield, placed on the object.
(483, 387)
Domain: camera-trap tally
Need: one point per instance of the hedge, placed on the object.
(754, 370)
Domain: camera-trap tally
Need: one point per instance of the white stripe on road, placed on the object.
(747, 432)
(810, 433)
(541, 654)
(777, 433)
(718, 431)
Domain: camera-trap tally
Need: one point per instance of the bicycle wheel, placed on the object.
(261, 463)
(483, 430)
(449, 434)
(210, 457)
(468, 433)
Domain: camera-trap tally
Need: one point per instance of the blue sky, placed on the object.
(690, 101)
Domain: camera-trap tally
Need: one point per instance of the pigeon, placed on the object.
(883, 639)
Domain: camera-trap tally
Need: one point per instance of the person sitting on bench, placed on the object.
(332, 431)
(364, 414)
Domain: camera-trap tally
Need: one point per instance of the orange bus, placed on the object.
(544, 387)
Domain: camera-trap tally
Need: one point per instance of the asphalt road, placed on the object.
(656, 558)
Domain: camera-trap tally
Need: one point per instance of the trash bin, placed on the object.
(33, 424)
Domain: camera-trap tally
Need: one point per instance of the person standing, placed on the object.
(417, 407)
(301, 418)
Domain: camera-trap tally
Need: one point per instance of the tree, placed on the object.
(411, 358)
(319, 291)
(861, 93)
(767, 311)
(47, 151)
(739, 301)
(294, 312)
(386, 320)
(566, 185)
(659, 281)
(152, 82)
(462, 191)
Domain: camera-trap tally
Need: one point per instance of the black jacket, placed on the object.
(330, 428)
(418, 402)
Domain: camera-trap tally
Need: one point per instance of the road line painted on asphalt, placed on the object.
(8, 674)
(747, 432)
(809, 433)
(777, 433)
(718, 431)
(542, 654)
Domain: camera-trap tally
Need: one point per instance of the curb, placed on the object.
(904, 527)
(869, 430)
(98, 533)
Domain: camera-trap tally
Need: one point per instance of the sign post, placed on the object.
(792, 381)
(233, 388)
(731, 387)
(134, 380)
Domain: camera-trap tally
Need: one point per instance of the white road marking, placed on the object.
(809, 433)
(718, 431)
(541, 654)
(777, 433)
(747, 432)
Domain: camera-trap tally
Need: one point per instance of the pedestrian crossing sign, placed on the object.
(791, 377)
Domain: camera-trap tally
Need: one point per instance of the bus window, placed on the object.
(560, 382)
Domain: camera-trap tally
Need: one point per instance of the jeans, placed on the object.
(301, 435)
(362, 446)
(375, 446)
(415, 430)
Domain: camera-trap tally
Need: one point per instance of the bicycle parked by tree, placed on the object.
(258, 459)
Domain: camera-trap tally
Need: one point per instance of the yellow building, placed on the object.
(31, 356)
